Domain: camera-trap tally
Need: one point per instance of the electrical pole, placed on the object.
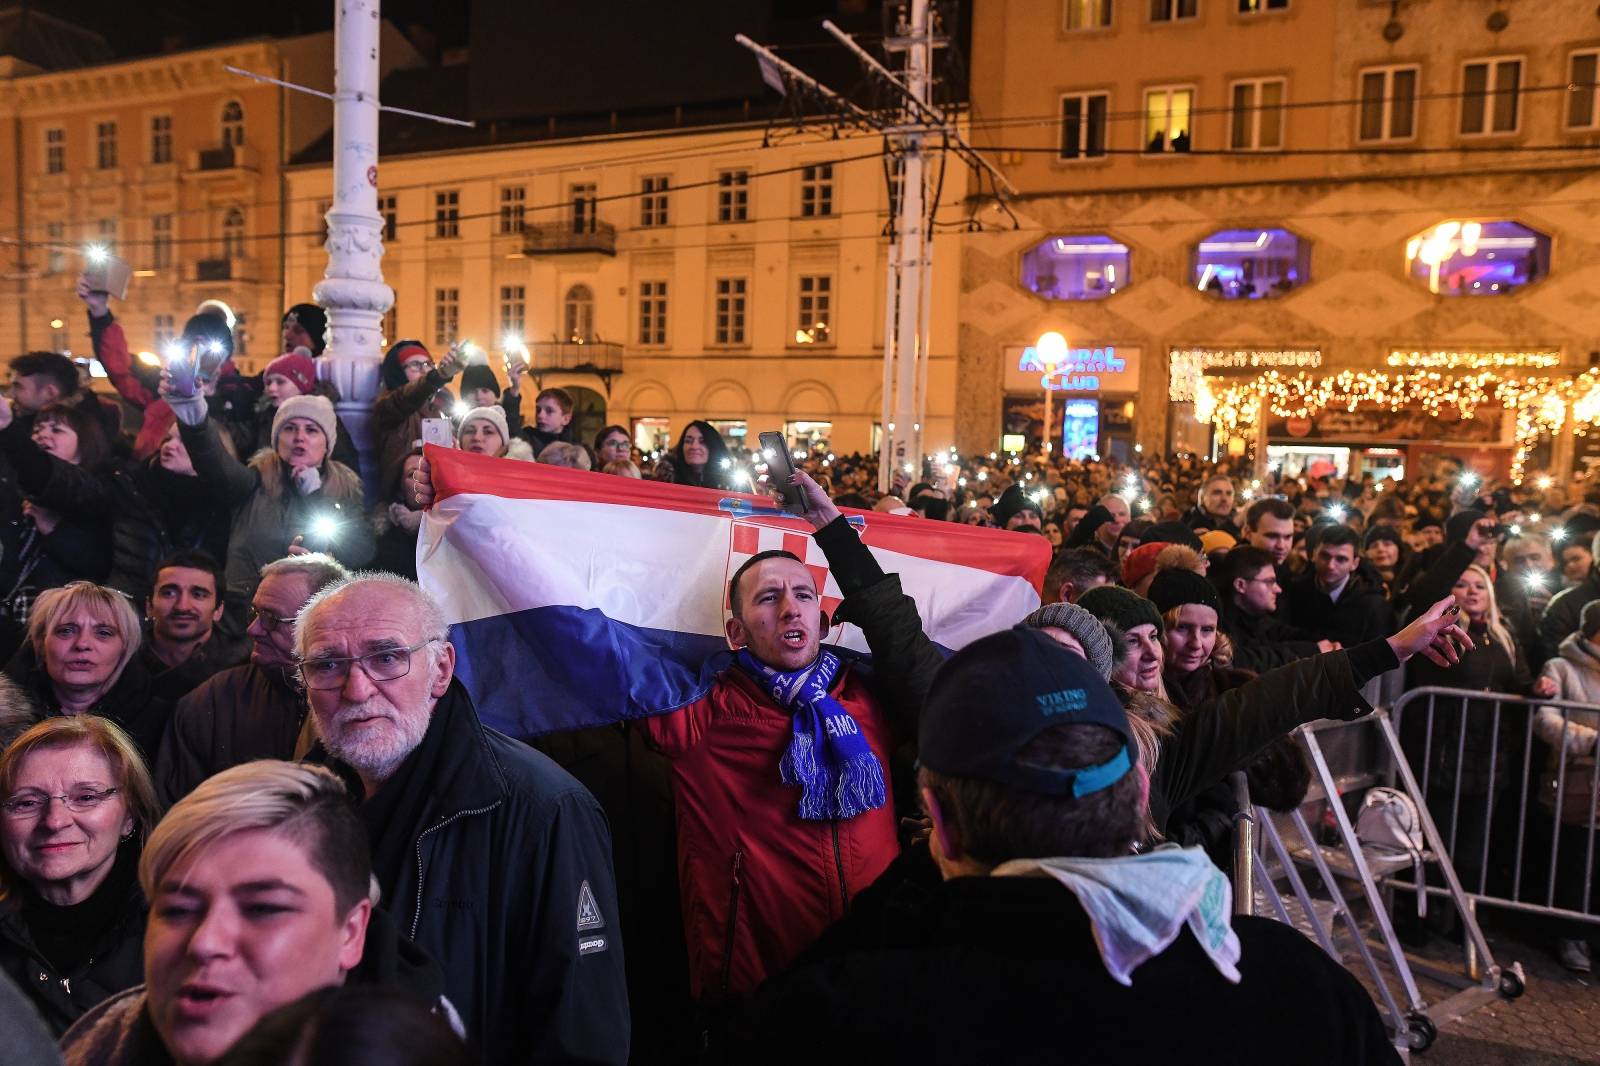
(918, 35)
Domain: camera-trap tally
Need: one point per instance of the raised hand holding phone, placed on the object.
(780, 471)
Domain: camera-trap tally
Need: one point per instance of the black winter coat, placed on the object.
(1262, 642)
(244, 713)
(503, 846)
(1360, 614)
(115, 953)
(79, 546)
(1561, 617)
(1005, 970)
(1467, 725)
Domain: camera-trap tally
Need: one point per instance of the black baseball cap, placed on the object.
(993, 697)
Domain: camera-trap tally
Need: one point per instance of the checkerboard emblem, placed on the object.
(753, 538)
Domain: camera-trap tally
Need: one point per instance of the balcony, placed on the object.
(566, 238)
(221, 268)
(223, 161)
(600, 358)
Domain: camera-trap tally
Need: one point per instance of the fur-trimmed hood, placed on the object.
(339, 482)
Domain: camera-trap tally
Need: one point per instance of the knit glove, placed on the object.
(405, 518)
(307, 480)
(191, 410)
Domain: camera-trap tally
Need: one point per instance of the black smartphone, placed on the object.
(775, 450)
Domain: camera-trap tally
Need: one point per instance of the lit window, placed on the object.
(1489, 96)
(1254, 7)
(1469, 257)
(1083, 125)
(578, 314)
(1251, 264)
(1076, 268)
(1581, 111)
(1167, 114)
(1257, 118)
(813, 325)
(1087, 14)
(1388, 104)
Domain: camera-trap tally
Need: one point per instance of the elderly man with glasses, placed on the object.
(255, 710)
(492, 858)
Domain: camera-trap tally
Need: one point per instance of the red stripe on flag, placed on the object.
(746, 539)
(795, 544)
(1025, 555)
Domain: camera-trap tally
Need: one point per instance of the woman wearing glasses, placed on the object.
(75, 805)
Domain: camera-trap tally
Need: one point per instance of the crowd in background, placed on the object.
(239, 770)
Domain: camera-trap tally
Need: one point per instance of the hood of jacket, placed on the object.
(1580, 653)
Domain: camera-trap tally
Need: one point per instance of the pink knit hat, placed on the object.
(298, 368)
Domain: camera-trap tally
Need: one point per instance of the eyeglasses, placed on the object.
(389, 664)
(268, 620)
(32, 804)
(1265, 580)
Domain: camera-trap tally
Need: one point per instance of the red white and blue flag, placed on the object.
(578, 599)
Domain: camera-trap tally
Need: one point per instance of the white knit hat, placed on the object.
(317, 408)
(495, 414)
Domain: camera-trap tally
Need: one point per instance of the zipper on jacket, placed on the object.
(416, 915)
(733, 919)
(838, 862)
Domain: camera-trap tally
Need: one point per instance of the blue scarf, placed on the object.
(829, 757)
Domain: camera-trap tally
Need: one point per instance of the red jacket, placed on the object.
(759, 883)
(111, 348)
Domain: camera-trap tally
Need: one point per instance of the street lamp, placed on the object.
(1051, 347)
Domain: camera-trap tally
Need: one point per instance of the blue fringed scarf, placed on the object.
(829, 757)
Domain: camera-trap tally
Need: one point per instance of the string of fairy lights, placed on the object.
(1436, 383)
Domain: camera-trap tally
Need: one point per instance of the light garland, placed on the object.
(1474, 360)
(1542, 405)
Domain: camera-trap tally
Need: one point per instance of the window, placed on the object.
(733, 196)
(161, 139)
(1255, 7)
(1087, 14)
(652, 312)
(1172, 10)
(816, 299)
(1088, 267)
(583, 208)
(233, 124)
(56, 259)
(1489, 96)
(233, 234)
(105, 145)
(163, 330)
(106, 231)
(653, 204)
(55, 150)
(578, 314)
(513, 310)
(1083, 125)
(447, 213)
(513, 208)
(1167, 113)
(816, 191)
(161, 241)
(389, 208)
(1251, 264)
(730, 310)
(1472, 257)
(1257, 114)
(1388, 104)
(1581, 71)
(446, 316)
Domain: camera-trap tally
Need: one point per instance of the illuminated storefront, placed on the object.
(1093, 394)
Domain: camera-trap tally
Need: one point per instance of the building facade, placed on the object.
(659, 276)
(170, 162)
(1227, 188)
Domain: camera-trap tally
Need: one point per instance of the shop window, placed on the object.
(1251, 264)
(808, 436)
(1471, 257)
(1076, 268)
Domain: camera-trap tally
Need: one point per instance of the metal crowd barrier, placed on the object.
(1358, 883)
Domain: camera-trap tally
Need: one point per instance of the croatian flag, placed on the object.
(578, 599)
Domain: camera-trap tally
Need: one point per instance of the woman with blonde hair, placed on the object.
(80, 659)
(76, 804)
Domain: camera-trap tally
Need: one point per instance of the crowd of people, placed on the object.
(249, 813)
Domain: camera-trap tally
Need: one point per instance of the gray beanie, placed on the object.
(1084, 627)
